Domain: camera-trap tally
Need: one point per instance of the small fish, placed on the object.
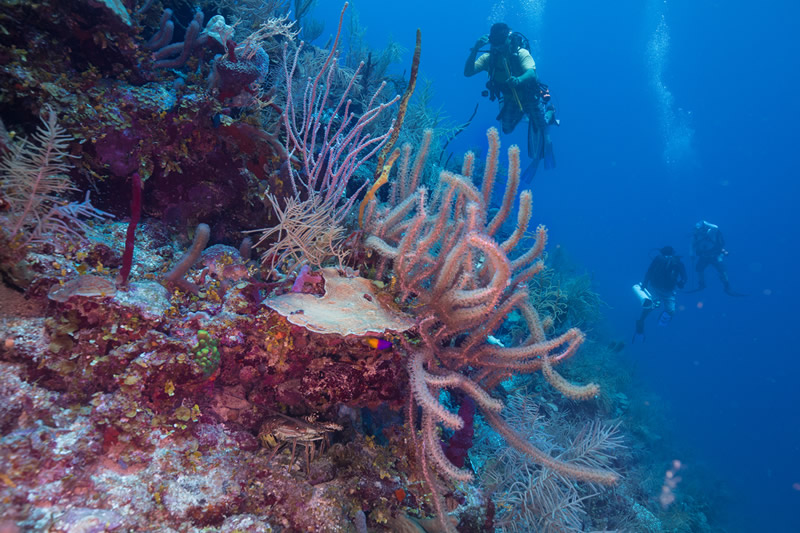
(494, 340)
(378, 344)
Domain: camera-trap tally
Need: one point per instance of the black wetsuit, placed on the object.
(665, 273)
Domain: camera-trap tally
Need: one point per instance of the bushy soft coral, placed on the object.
(33, 180)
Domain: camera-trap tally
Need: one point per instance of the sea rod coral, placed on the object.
(463, 283)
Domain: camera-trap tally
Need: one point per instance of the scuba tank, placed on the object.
(645, 298)
(518, 40)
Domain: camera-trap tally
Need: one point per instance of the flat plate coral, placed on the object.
(350, 306)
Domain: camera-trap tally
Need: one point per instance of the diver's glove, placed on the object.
(480, 43)
(514, 81)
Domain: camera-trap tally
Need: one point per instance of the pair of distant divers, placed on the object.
(667, 273)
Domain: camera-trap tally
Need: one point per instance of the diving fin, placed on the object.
(526, 179)
(536, 141)
(731, 292)
(549, 156)
(639, 332)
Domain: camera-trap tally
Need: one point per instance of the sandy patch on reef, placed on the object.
(14, 304)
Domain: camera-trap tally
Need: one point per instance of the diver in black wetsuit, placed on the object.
(664, 276)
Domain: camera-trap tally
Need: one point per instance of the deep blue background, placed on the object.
(728, 366)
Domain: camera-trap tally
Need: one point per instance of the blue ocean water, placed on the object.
(672, 112)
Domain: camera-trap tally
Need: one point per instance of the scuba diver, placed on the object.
(665, 274)
(709, 247)
(512, 79)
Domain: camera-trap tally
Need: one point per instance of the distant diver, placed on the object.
(512, 79)
(664, 276)
(708, 245)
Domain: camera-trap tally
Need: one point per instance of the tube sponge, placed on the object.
(176, 275)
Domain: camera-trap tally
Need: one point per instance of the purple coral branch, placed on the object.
(330, 162)
(164, 35)
(457, 446)
(230, 46)
(145, 7)
(136, 211)
(305, 276)
(185, 48)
